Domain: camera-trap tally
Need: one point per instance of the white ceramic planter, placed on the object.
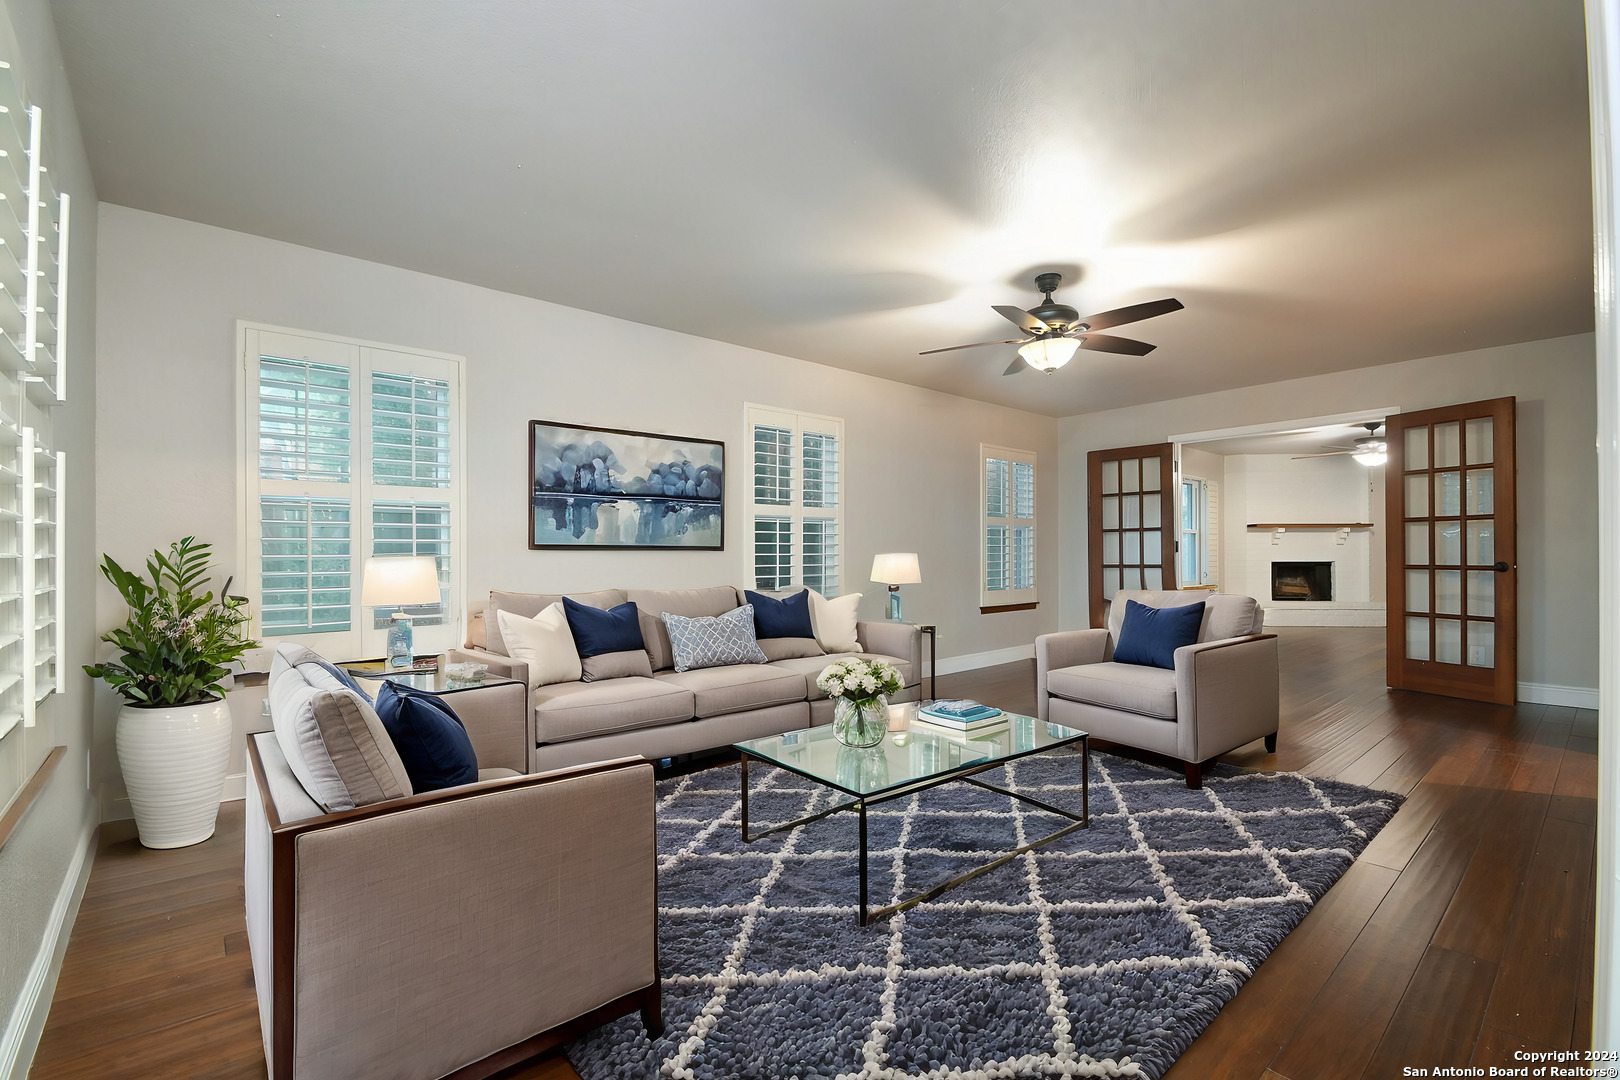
(174, 763)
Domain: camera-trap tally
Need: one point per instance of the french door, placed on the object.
(1452, 552)
(1130, 501)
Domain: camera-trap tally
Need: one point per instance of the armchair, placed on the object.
(1222, 694)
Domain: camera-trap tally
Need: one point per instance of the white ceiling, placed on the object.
(1326, 185)
(1315, 440)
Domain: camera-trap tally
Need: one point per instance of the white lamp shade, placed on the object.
(395, 581)
(896, 568)
(1048, 354)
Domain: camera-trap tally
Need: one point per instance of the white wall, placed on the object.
(1554, 382)
(172, 290)
(46, 860)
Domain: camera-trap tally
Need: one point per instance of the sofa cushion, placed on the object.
(544, 643)
(785, 617)
(428, 735)
(529, 605)
(810, 666)
(1151, 635)
(689, 602)
(616, 665)
(578, 710)
(596, 631)
(789, 648)
(835, 620)
(1147, 691)
(737, 688)
(705, 641)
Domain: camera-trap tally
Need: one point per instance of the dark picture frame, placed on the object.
(597, 488)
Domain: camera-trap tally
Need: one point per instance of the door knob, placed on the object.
(1501, 568)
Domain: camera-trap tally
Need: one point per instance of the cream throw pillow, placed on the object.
(834, 621)
(544, 643)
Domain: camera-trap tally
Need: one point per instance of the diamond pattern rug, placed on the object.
(1104, 954)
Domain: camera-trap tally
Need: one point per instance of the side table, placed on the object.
(933, 650)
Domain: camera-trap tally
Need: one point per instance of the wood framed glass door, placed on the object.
(1130, 500)
(1452, 552)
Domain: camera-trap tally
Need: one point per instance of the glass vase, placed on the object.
(862, 722)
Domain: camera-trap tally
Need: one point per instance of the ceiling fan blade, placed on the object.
(1330, 453)
(1134, 313)
(1016, 366)
(975, 345)
(1110, 343)
(1021, 318)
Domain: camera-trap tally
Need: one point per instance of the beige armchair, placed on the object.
(1222, 694)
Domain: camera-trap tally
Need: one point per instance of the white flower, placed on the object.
(869, 684)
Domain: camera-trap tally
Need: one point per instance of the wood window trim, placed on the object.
(997, 609)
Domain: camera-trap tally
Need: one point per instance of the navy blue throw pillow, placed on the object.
(781, 618)
(596, 631)
(1151, 636)
(429, 738)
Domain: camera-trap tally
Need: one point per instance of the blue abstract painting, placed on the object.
(604, 487)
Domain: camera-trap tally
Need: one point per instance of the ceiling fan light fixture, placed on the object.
(1371, 452)
(1048, 354)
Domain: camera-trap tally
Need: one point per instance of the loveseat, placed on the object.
(676, 712)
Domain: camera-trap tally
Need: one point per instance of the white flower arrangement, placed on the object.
(859, 680)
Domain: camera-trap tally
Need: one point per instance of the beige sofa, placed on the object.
(674, 712)
(1222, 694)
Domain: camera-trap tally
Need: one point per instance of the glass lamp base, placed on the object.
(399, 643)
(894, 604)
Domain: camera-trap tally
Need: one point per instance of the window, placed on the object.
(348, 450)
(1196, 565)
(796, 507)
(1008, 527)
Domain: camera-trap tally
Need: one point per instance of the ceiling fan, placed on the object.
(1371, 449)
(1054, 331)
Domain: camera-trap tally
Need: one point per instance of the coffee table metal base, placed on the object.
(866, 915)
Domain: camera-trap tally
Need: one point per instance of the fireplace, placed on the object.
(1302, 581)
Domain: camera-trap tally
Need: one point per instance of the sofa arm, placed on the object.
(504, 666)
(1066, 649)
(498, 722)
(901, 640)
(434, 931)
(1227, 694)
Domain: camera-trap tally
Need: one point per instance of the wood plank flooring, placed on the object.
(1462, 934)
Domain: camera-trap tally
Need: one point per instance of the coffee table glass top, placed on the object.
(911, 751)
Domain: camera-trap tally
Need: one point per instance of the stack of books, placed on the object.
(960, 714)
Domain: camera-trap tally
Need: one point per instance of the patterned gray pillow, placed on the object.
(713, 640)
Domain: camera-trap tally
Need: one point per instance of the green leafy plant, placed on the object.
(179, 636)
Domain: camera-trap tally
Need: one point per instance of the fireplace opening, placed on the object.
(1302, 581)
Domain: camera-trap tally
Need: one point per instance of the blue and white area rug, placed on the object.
(1103, 954)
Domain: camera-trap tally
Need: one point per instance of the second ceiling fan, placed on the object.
(1054, 331)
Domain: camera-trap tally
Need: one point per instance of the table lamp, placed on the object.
(397, 581)
(894, 569)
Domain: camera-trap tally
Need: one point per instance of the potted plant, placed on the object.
(174, 730)
(860, 691)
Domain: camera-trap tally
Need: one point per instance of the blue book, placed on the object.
(959, 712)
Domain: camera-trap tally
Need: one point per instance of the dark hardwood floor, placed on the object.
(1462, 934)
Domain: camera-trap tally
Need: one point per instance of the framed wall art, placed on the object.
(610, 488)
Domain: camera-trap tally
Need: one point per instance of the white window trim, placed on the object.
(361, 639)
(1006, 597)
(795, 511)
(1200, 533)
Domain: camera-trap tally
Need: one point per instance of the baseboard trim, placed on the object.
(1575, 697)
(27, 1023)
(950, 665)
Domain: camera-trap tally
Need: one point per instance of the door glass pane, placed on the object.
(1110, 511)
(1481, 644)
(1447, 448)
(1481, 542)
(1417, 453)
(1110, 583)
(1152, 547)
(1448, 641)
(1417, 543)
(1133, 511)
(1150, 474)
(1448, 592)
(1417, 638)
(1447, 494)
(1130, 474)
(1417, 495)
(1133, 578)
(1482, 592)
(1150, 511)
(1153, 577)
(1447, 543)
(1111, 548)
(1110, 480)
(1133, 547)
(1479, 436)
(1417, 590)
(1481, 491)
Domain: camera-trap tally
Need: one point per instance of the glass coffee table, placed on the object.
(914, 757)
